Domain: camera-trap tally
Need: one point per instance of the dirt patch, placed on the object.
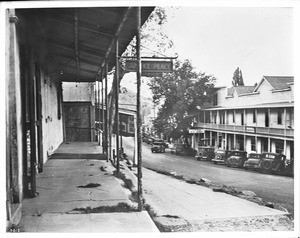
(121, 207)
(90, 185)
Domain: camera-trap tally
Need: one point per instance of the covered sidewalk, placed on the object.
(46, 47)
(81, 195)
(79, 150)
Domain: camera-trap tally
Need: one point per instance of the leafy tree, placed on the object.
(180, 93)
(237, 78)
(152, 44)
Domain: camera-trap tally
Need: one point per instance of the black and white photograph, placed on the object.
(151, 118)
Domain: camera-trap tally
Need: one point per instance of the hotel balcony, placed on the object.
(248, 129)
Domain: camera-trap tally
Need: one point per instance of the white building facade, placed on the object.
(256, 118)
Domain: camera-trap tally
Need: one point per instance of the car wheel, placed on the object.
(200, 155)
(266, 165)
(230, 162)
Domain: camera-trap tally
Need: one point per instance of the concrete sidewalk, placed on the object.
(69, 189)
(180, 206)
(170, 196)
(79, 150)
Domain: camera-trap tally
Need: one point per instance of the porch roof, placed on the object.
(78, 41)
(262, 105)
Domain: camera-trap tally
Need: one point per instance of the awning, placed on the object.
(75, 42)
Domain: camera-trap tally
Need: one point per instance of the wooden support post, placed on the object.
(139, 124)
(98, 112)
(106, 115)
(102, 113)
(117, 106)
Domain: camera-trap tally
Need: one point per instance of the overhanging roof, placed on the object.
(262, 105)
(78, 40)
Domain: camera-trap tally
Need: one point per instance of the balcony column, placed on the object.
(256, 145)
(218, 118)
(284, 147)
(284, 122)
(269, 144)
(210, 117)
(226, 119)
(226, 138)
(234, 141)
(203, 117)
(210, 138)
(245, 117)
(245, 142)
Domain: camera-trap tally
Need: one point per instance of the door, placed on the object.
(77, 121)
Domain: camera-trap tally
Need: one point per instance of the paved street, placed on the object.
(272, 188)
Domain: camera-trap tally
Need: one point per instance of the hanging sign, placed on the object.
(192, 131)
(150, 66)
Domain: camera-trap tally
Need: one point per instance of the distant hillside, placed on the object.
(127, 99)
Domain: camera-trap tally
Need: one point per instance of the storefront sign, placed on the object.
(250, 129)
(192, 131)
(150, 66)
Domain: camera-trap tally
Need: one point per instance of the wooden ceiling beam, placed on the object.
(118, 30)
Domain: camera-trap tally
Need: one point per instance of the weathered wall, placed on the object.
(78, 92)
(13, 110)
(51, 123)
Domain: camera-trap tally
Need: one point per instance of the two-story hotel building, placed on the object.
(256, 118)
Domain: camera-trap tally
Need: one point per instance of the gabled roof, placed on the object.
(244, 89)
(240, 90)
(277, 82)
(230, 91)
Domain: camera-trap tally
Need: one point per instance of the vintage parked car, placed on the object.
(221, 156)
(161, 141)
(158, 147)
(182, 149)
(150, 140)
(272, 162)
(289, 167)
(205, 152)
(237, 158)
(253, 161)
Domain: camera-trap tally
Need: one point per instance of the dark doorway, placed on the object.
(77, 121)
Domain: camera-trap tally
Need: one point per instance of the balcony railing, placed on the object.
(249, 129)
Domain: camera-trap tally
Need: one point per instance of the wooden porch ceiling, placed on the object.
(79, 40)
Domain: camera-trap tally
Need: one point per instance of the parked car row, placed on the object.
(265, 162)
(182, 149)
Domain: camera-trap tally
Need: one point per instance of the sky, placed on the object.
(258, 40)
(217, 40)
